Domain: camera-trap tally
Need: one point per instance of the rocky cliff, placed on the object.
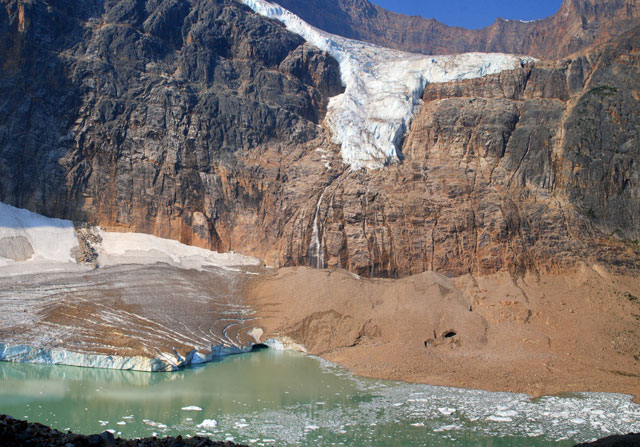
(172, 116)
(201, 121)
(577, 25)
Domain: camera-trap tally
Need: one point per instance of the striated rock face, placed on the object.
(201, 121)
(172, 117)
(577, 25)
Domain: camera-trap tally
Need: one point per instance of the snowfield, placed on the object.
(383, 87)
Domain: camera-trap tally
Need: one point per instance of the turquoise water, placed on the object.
(283, 398)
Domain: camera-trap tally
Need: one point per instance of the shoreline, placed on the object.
(549, 335)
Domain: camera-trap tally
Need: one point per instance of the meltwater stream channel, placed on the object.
(283, 398)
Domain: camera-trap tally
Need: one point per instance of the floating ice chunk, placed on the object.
(103, 423)
(507, 414)
(446, 428)
(191, 408)
(418, 424)
(121, 423)
(208, 424)
(495, 418)
(311, 427)
(580, 421)
(447, 411)
(383, 87)
(110, 430)
(241, 425)
(154, 424)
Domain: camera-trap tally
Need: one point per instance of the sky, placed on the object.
(473, 13)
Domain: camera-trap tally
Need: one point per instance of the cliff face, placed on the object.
(201, 121)
(577, 25)
(172, 117)
(532, 169)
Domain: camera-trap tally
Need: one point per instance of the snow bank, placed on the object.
(383, 87)
(32, 243)
(23, 232)
(138, 248)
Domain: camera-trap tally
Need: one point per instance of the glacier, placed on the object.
(383, 87)
(162, 362)
(180, 322)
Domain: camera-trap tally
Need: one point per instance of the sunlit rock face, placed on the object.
(177, 118)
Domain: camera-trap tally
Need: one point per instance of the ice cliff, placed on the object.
(383, 87)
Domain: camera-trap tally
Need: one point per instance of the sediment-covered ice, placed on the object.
(39, 250)
(383, 87)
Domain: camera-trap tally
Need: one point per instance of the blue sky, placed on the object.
(473, 13)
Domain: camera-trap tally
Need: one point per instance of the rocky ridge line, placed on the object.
(576, 26)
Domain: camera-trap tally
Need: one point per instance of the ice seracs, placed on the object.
(383, 87)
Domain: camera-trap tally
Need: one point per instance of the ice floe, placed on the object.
(208, 424)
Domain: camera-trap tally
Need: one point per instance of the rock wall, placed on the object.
(170, 117)
(533, 169)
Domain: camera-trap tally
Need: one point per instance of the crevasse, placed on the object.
(383, 87)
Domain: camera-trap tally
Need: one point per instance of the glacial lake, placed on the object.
(285, 399)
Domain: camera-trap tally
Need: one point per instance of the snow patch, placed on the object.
(383, 87)
(32, 243)
(138, 248)
(50, 239)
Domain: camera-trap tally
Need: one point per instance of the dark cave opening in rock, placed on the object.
(259, 347)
